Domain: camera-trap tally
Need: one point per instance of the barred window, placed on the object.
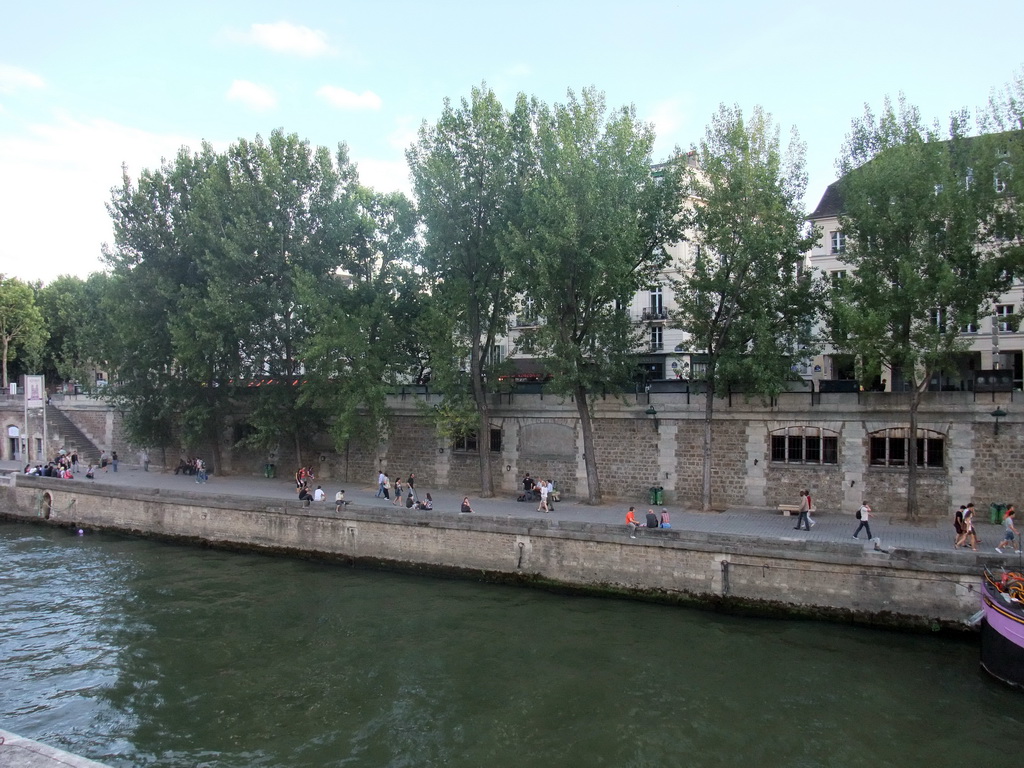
(889, 448)
(467, 443)
(805, 445)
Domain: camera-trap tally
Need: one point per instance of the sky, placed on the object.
(89, 89)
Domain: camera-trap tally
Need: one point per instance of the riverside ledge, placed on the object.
(19, 752)
(742, 559)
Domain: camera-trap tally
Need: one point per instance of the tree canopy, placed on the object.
(919, 215)
(744, 300)
(595, 226)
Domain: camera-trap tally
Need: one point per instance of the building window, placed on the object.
(837, 276)
(467, 443)
(1002, 175)
(838, 242)
(937, 317)
(805, 445)
(657, 339)
(969, 328)
(656, 306)
(1004, 317)
(889, 448)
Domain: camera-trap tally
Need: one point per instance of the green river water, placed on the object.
(139, 653)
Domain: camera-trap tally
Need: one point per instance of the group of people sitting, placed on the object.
(63, 465)
(188, 466)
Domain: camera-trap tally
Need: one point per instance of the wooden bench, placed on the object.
(791, 509)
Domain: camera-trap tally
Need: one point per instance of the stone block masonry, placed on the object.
(827, 579)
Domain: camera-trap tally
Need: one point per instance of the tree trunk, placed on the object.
(483, 447)
(709, 411)
(589, 454)
(6, 348)
(915, 401)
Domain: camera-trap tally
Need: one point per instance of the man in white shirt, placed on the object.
(318, 494)
(382, 483)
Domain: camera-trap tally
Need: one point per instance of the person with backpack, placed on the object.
(863, 515)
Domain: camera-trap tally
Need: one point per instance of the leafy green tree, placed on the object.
(22, 329)
(154, 266)
(745, 300)
(365, 317)
(77, 326)
(210, 252)
(468, 172)
(595, 226)
(919, 223)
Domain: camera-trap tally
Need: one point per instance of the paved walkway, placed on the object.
(891, 529)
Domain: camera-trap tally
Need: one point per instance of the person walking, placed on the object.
(113, 460)
(382, 484)
(968, 528)
(805, 508)
(545, 489)
(958, 526)
(398, 492)
(1009, 531)
(863, 515)
(411, 483)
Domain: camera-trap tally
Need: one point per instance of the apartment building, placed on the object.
(995, 344)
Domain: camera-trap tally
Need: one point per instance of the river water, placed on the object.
(139, 653)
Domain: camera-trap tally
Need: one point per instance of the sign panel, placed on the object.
(35, 391)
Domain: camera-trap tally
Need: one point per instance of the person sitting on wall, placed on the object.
(305, 496)
(409, 501)
(339, 501)
(426, 504)
(90, 473)
(466, 509)
(666, 521)
(318, 494)
(652, 519)
(631, 522)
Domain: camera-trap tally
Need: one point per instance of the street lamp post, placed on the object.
(998, 414)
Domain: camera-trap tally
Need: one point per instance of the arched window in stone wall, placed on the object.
(890, 448)
(805, 445)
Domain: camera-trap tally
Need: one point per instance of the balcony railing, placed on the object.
(650, 315)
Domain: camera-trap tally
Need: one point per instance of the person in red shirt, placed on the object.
(631, 522)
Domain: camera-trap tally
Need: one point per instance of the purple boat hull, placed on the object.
(1002, 636)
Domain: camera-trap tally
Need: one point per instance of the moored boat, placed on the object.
(1002, 631)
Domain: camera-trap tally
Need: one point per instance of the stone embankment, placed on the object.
(823, 576)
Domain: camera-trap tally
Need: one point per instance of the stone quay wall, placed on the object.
(829, 580)
(541, 434)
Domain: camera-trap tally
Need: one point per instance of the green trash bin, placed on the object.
(657, 498)
(652, 494)
(995, 513)
(269, 470)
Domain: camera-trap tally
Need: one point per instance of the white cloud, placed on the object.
(385, 175)
(15, 79)
(282, 37)
(254, 96)
(58, 176)
(344, 99)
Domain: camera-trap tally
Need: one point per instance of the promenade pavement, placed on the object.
(766, 524)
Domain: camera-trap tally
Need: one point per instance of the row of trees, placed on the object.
(267, 279)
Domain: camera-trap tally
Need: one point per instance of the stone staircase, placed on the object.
(61, 429)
